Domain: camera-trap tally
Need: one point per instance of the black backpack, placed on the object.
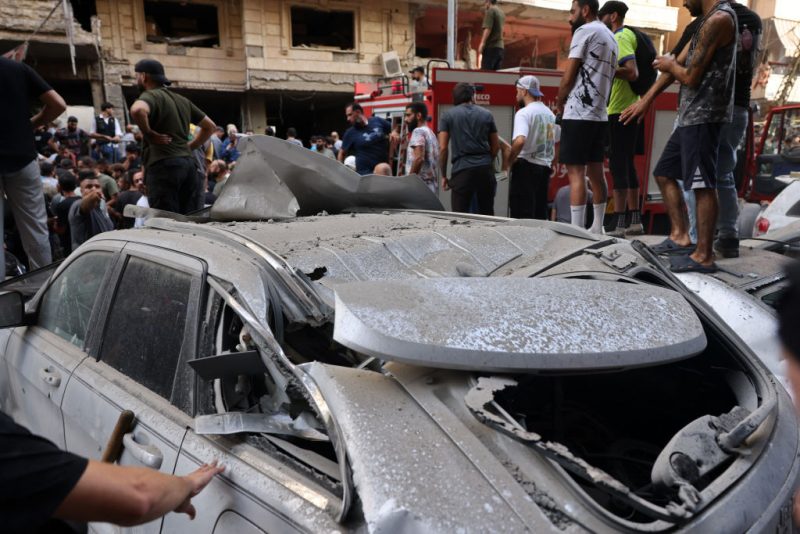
(645, 55)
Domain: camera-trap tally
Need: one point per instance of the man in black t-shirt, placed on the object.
(20, 87)
(40, 484)
(164, 118)
(67, 183)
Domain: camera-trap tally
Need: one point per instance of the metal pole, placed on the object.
(451, 32)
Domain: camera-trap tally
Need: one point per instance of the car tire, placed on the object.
(747, 219)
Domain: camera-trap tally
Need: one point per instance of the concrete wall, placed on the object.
(380, 26)
(124, 43)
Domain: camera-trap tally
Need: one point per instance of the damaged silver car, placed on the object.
(404, 371)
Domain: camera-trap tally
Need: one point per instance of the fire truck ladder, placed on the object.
(787, 84)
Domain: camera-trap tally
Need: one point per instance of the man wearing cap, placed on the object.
(622, 137)
(492, 48)
(20, 88)
(106, 132)
(74, 139)
(582, 98)
(532, 151)
(164, 118)
(419, 82)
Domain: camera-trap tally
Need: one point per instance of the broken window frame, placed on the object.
(352, 11)
(221, 13)
(283, 372)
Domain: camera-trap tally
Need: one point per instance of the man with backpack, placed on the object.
(622, 137)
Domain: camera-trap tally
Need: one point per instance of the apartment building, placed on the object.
(281, 62)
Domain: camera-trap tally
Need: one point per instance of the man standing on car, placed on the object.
(367, 138)
(471, 131)
(622, 137)
(492, 48)
(705, 70)
(164, 118)
(582, 99)
(20, 87)
(532, 151)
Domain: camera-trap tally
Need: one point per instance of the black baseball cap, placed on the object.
(613, 6)
(154, 68)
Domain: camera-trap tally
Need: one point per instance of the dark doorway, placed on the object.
(181, 23)
(223, 108)
(316, 28)
(308, 113)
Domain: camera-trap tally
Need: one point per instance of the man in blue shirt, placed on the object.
(367, 138)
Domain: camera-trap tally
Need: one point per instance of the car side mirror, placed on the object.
(12, 309)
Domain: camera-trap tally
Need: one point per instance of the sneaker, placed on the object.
(617, 232)
(634, 229)
(727, 247)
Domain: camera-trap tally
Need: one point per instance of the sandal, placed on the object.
(685, 264)
(670, 247)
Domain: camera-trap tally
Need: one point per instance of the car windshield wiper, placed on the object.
(712, 440)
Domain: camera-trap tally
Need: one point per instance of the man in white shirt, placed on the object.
(582, 99)
(532, 151)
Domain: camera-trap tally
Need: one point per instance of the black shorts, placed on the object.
(582, 142)
(691, 155)
(621, 151)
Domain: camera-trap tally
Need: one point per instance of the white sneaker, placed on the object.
(635, 229)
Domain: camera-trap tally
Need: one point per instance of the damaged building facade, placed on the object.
(281, 62)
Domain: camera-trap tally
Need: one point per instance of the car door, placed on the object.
(149, 326)
(40, 358)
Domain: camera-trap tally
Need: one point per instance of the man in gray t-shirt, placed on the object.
(88, 217)
(470, 132)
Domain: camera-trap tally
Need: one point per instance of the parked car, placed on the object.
(404, 372)
(783, 210)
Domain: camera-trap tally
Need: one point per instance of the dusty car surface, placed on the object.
(404, 372)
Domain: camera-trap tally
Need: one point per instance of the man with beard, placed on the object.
(368, 138)
(423, 148)
(163, 118)
(705, 70)
(622, 138)
(74, 139)
(582, 99)
(532, 151)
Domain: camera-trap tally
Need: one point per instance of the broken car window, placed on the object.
(146, 324)
(66, 306)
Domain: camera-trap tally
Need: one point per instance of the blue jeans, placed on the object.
(730, 138)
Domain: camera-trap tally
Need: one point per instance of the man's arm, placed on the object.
(494, 144)
(419, 159)
(484, 37)
(140, 112)
(54, 106)
(717, 31)
(132, 495)
(567, 82)
(639, 109)
(628, 71)
(516, 148)
(90, 201)
(444, 139)
(207, 127)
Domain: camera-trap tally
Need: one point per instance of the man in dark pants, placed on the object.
(473, 134)
(532, 151)
(706, 72)
(492, 48)
(164, 119)
(622, 137)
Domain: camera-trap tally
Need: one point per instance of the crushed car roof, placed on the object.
(516, 324)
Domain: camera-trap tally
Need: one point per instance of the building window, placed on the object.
(323, 29)
(184, 24)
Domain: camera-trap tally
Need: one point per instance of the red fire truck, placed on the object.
(495, 90)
